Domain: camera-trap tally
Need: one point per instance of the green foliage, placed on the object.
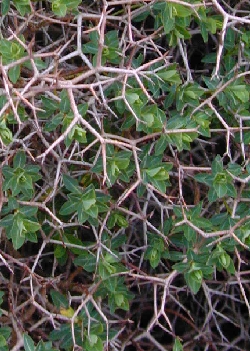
(177, 345)
(22, 225)
(29, 344)
(22, 6)
(117, 163)
(59, 300)
(110, 52)
(5, 333)
(61, 7)
(14, 50)
(5, 6)
(155, 171)
(11, 52)
(5, 133)
(175, 18)
(115, 289)
(84, 203)
(60, 115)
(91, 338)
(20, 178)
(219, 182)
(156, 250)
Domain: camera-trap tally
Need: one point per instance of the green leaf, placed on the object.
(132, 97)
(5, 6)
(64, 105)
(5, 46)
(14, 73)
(3, 341)
(217, 165)
(59, 300)
(204, 178)
(189, 233)
(1, 297)
(44, 346)
(71, 4)
(111, 284)
(170, 75)
(59, 9)
(5, 133)
(28, 343)
(121, 221)
(182, 11)
(90, 47)
(105, 269)
(5, 332)
(68, 207)
(152, 172)
(119, 299)
(221, 189)
(92, 339)
(141, 16)
(93, 211)
(40, 64)
(49, 104)
(83, 215)
(213, 24)
(224, 259)
(54, 123)
(177, 345)
(181, 266)
(168, 18)
(87, 261)
(148, 118)
(241, 92)
(59, 251)
(193, 91)
(71, 184)
(121, 159)
(230, 268)
(64, 335)
(161, 144)
(28, 211)
(22, 6)
(6, 221)
(111, 38)
(31, 226)
(19, 160)
(16, 232)
(88, 197)
(194, 280)
(93, 343)
(154, 257)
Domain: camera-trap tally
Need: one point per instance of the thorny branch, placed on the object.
(69, 68)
